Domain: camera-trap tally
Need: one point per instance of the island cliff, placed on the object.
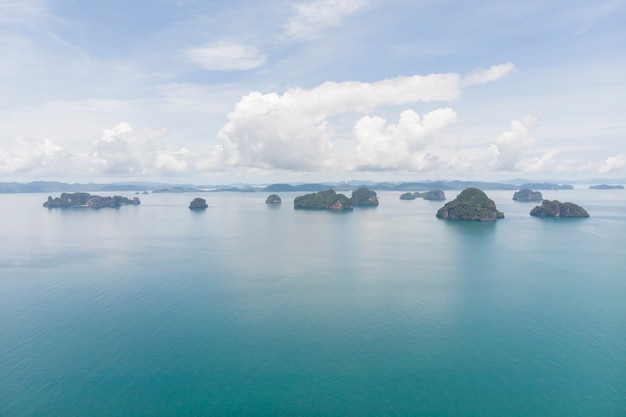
(436, 195)
(198, 204)
(527, 195)
(365, 197)
(323, 200)
(471, 204)
(88, 200)
(273, 199)
(557, 209)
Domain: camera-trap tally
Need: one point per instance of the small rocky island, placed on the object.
(471, 204)
(88, 200)
(198, 204)
(436, 195)
(273, 199)
(557, 209)
(606, 187)
(527, 195)
(323, 200)
(364, 197)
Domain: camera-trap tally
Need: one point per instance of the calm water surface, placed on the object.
(249, 310)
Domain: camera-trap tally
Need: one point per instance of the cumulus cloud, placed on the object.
(293, 130)
(311, 18)
(613, 164)
(512, 144)
(226, 56)
(399, 146)
(20, 156)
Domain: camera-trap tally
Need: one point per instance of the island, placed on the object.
(323, 200)
(527, 195)
(198, 204)
(557, 209)
(364, 197)
(88, 200)
(273, 199)
(471, 204)
(436, 195)
(606, 187)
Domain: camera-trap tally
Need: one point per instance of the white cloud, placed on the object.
(399, 146)
(293, 130)
(22, 11)
(19, 156)
(226, 56)
(494, 73)
(311, 18)
(514, 142)
(613, 164)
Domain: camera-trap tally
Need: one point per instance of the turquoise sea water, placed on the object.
(249, 310)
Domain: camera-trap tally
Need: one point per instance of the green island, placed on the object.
(323, 200)
(471, 204)
(555, 208)
(87, 200)
(527, 195)
(365, 197)
(198, 204)
(273, 199)
(435, 195)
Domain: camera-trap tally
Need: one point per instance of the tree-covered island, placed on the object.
(87, 200)
(323, 200)
(555, 208)
(471, 204)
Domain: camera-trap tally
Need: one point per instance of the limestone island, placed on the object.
(198, 204)
(323, 200)
(471, 204)
(88, 200)
(606, 187)
(527, 195)
(557, 209)
(273, 199)
(436, 195)
(364, 197)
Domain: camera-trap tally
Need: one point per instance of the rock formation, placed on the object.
(470, 204)
(273, 199)
(364, 197)
(88, 200)
(323, 200)
(527, 195)
(198, 204)
(557, 209)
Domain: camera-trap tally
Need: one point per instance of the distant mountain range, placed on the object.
(54, 186)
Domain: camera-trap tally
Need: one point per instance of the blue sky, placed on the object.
(248, 91)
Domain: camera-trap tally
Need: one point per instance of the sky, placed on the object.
(208, 92)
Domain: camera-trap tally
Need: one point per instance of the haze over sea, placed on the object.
(250, 310)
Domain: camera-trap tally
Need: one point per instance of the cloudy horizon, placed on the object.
(187, 91)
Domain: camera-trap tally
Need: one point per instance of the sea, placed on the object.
(246, 309)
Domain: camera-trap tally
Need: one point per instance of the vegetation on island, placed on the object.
(471, 204)
(527, 195)
(364, 197)
(273, 199)
(88, 200)
(198, 204)
(606, 187)
(436, 195)
(323, 200)
(555, 208)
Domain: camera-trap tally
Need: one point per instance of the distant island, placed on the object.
(88, 200)
(436, 195)
(198, 204)
(557, 209)
(323, 200)
(471, 204)
(527, 195)
(606, 187)
(273, 199)
(364, 197)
